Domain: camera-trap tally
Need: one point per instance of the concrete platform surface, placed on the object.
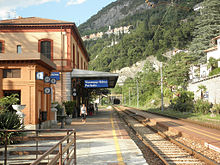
(103, 140)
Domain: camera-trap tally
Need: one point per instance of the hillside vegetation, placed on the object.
(157, 31)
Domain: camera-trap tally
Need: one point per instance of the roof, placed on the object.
(211, 49)
(214, 40)
(31, 20)
(94, 75)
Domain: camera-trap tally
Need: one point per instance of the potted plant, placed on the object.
(69, 109)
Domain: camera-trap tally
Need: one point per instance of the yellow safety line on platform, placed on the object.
(118, 151)
(205, 134)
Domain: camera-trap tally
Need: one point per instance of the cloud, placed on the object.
(8, 7)
(75, 2)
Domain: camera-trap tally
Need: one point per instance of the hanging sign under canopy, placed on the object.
(96, 83)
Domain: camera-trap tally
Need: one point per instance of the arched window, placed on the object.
(45, 47)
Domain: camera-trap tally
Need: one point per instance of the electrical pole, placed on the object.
(129, 96)
(137, 95)
(161, 79)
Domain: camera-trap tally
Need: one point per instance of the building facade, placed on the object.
(35, 45)
(200, 76)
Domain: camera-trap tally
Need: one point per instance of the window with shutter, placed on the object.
(11, 73)
(2, 45)
(46, 49)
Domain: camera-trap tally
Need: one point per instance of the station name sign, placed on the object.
(96, 83)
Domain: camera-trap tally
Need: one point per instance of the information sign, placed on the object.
(96, 83)
(53, 81)
(47, 79)
(55, 75)
(47, 90)
(39, 75)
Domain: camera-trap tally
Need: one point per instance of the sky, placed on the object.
(78, 11)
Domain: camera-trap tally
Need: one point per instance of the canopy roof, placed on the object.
(94, 75)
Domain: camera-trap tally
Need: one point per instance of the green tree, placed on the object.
(207, 27)
(176, 71)
(7, 102)
(212, 63)
(202, 89)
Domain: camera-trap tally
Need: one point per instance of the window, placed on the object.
(74, 56)
(2, 46)
(77, 60)
(19, 49)
(81, 63)
(11, 73)
(45, 47)
(10, 92)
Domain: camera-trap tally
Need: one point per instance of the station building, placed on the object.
(36, 46)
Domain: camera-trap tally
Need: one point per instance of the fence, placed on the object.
(35, 147)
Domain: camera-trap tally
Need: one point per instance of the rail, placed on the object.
(48, 146)
(157, 148)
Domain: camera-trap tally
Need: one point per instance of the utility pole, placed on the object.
(129, 96)
(161, 79)
(137, 95)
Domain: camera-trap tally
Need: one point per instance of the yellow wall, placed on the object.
(29, 44)
(29, 88)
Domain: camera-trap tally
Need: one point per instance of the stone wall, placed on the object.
(213, 88)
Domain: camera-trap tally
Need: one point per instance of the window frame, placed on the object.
(6, 74)
(51, 46)
(3, 46)
(19, 51)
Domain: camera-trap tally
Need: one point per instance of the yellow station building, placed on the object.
(35, 46)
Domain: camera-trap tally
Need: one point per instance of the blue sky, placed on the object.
(77, 11)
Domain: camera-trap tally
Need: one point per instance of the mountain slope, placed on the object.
(155, 32)
(113, 13)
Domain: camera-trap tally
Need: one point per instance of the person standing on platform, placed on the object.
(83, 113)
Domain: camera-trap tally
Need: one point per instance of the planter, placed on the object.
(18, 107)
(68, 120)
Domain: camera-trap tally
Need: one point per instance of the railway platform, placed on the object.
(103, 140)
(209, 137)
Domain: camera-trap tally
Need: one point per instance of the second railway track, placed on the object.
(167, 149)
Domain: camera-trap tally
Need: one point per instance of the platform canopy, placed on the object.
(95, 75)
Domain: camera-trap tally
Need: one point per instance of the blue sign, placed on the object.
(55, 75)
(47, 90)
(96, 83)
(206, 95)
(53, 81)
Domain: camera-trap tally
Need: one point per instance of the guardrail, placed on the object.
(49, 146)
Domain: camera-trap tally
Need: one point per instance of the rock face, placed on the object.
(130, 72)
(113, 13)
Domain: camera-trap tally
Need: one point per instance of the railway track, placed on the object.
(166, 148)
